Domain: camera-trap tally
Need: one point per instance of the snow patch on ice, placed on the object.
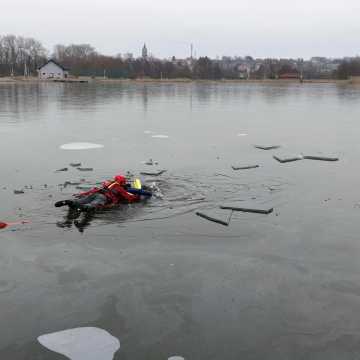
(86, 343)
(80, 146)
(159, 136)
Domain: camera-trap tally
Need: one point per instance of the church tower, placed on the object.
(144, 52)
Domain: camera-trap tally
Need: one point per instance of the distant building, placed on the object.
(144, 52)
(243, 71)
(52, 70)
(289, 75)
(318, 59)
(355, 79)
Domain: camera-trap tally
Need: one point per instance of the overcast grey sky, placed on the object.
(261, 28)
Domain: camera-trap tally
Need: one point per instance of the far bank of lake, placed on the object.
(82, 79)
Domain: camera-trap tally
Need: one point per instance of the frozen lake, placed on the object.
(155, 276)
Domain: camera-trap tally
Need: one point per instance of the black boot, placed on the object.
(69, 203)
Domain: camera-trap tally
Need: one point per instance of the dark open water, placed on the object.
(156, 276)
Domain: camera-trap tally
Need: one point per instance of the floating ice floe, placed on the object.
(157, 173)
(242, 134)
(159, 136)
(80, 146)
(150, 162)
(148, 132)
(288, 159)
(87, 343)
(176, 358)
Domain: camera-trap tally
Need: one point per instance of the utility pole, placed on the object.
(301, 70)
(25, 55)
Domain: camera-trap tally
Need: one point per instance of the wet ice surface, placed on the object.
(156, 276)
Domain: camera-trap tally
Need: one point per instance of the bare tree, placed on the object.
(18, 53)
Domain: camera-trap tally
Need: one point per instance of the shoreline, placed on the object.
(22, 80)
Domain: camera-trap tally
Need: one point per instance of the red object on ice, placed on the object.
(4, 225)
(120, 179)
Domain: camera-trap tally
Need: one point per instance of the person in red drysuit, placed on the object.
(111, 193)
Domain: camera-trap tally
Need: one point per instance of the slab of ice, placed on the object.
(286, 159)
(176, 358)
(321, 158)
(242, 134)
(267, 147)
(159, 136)
(157, 173)
(214, 216)
(248, 206)
(87, 343)
(244, 167)
(150, 162)
(80, 146)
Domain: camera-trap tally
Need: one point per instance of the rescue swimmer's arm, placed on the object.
(139, 192)
(121, 192)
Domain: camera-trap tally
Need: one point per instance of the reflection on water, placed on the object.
(21, 99)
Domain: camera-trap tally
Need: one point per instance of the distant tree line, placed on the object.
(19, 55)
(83, 60)
(348, 68)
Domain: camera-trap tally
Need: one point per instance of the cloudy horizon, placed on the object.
(233, 28)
